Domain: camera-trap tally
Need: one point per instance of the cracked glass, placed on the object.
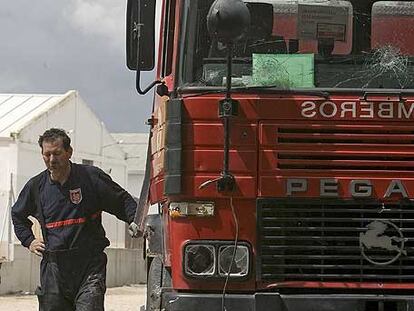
(305, 44)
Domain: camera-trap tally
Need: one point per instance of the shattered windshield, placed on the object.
(305, 44)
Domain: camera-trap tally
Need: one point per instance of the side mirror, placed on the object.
(140, 35)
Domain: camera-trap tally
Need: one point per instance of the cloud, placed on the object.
(56, 46)
(12, 85)
(105, 18)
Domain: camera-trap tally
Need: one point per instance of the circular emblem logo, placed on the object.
(382, 235)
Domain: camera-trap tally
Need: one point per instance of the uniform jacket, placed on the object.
(71, 214)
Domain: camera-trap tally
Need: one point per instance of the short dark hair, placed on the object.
(53, 134)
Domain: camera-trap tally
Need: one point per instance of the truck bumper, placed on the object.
(174, 301)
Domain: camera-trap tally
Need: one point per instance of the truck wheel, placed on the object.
(158, 277)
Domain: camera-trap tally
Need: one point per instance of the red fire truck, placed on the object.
(281, 157)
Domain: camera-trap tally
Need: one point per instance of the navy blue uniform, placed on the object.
(73, 268)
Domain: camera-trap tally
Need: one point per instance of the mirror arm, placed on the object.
(149, 87)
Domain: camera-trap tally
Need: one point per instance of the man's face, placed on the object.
(55, 156)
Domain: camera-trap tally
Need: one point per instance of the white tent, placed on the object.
(23, 117)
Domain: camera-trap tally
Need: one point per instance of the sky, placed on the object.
(52, 46)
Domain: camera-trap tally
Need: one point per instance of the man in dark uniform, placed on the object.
(67, 199)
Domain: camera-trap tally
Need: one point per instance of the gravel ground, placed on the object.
(126, 298)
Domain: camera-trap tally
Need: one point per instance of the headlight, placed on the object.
(212, 259)
(200, 260)
(240, 266)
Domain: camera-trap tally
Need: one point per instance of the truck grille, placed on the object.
(316, 240)
(341, 147)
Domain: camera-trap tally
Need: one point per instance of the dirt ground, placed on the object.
(126, 298)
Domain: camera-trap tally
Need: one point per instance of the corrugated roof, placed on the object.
(18, 110)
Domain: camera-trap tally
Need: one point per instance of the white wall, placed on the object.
(6, 200)
(115, 229)
(135, 148)
(125, 266)
(135, 183)
(29, 163)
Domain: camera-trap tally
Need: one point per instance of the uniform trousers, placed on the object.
(72, 280)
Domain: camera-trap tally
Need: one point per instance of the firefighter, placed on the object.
(68, 199)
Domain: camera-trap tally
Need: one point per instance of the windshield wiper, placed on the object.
(274, 88)
(246, 89)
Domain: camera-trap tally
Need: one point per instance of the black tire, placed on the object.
(158, 278)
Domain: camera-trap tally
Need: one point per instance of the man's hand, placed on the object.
(134, 231)
(37, 247)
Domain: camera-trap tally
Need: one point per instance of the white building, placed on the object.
(23, 118)
(135, 147)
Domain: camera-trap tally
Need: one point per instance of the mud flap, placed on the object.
(154, 235)
(158, 278)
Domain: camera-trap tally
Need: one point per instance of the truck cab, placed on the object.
(318, 140)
